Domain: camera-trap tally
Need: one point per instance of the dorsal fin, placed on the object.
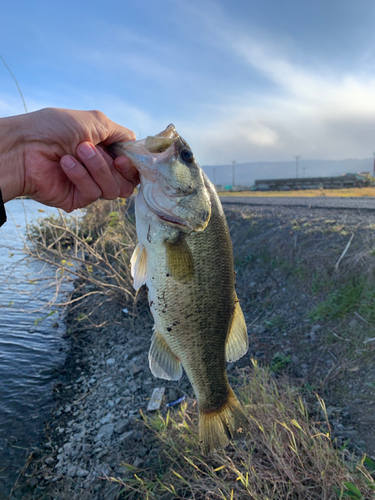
(163, 363)
(237, 341)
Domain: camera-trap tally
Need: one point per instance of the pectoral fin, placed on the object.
(180, 261)
(163, 363)
(237, 340)
(138, 264)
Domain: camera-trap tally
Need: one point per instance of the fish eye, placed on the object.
(187, 155)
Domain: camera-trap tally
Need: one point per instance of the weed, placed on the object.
(94, 249)
(280, 361)
(282, 456)
(354, 295)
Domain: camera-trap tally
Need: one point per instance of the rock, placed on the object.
(107, 419)
(72, 470)
(110, 362)
(81, 472)
(105, 432)
(32, 482)
(172, 395)
(316, 328)
(313, 336)
(135, 369)
(121, 426)
(258, 330)
(49, 460)
(353, 323)
(156, 399)
(67, 447)
(126, 436)
(137, 462)
(103, 469)
(133, 386)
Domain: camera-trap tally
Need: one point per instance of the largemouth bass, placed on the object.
(184, 256)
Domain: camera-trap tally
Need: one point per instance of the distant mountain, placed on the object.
(247, 173)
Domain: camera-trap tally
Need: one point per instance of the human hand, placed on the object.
(61, 160)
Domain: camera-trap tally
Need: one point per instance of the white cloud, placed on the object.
(308, 110)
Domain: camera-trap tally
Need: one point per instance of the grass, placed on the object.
(367, 191)
(285, 455)
(355, 294)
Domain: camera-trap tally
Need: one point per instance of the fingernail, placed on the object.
(87, 150)
(68, 162)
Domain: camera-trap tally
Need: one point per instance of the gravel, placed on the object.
(107, 381)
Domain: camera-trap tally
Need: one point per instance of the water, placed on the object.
(31, 344)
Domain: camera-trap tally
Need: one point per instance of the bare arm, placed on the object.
(58, 158)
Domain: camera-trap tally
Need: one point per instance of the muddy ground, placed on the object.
(285, 261)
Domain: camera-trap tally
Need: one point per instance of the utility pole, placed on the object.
(233, 165)
(373, 174)
(304, 171)
(297, 158)
(214, 176)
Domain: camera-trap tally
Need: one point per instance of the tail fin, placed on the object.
(216, 428)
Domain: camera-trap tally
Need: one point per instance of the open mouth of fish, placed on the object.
(145, 154)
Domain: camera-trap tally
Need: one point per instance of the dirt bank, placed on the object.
(301, 320)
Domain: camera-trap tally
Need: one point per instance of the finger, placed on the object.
(86, 189)
(118, 133)
(108, 131)
(126, 186)
(126, 169)
(99, 170)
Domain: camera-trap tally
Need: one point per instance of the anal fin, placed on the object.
(163, 363)
(237, 341)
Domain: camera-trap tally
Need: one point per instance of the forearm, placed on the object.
(12, 156)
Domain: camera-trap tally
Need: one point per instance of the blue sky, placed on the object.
(243, 80)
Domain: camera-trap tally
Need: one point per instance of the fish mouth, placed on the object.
(146, 153)
(167, 217)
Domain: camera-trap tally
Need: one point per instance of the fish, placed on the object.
(184, 256)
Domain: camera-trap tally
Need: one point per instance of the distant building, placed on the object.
(361, 179)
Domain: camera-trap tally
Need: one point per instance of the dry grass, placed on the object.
(93, 250)
(285, 455)
(367, 191)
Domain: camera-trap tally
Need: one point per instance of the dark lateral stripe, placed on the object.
(3, 215)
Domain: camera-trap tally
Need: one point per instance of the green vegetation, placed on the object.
(280, 361)
(354, 295)
(284, 454)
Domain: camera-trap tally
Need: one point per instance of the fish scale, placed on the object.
(184, 256)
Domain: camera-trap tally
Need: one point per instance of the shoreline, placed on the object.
(96, 425)
(105, 383)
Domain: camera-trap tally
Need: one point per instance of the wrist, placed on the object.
(12, 163)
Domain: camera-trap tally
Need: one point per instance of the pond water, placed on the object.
(31, 343)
